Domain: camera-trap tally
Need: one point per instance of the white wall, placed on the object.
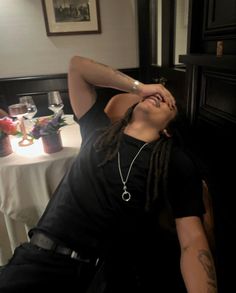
(25, 48)
(181, 23)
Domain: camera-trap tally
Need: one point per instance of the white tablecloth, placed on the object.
(28, 178)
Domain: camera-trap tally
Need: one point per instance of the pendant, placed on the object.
(126, 196)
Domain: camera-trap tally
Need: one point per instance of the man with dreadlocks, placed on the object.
(104, 229)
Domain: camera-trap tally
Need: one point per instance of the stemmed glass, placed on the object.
(55, 102)
(31, 107)
(19, 111)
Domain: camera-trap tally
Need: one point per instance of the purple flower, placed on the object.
(47, 125)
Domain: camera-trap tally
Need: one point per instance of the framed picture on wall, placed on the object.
(70, 17)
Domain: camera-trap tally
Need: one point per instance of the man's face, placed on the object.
(154, 110)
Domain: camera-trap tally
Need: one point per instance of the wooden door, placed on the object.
(206, 90)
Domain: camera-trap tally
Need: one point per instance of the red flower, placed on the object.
(7, 126)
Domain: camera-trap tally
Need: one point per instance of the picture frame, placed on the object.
(71, 17)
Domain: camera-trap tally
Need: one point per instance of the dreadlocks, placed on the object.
(109, 141)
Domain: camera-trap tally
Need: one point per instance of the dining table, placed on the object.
(28, 179)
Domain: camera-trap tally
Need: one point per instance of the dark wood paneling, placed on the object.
(225, 62)
(218, 104)
(219, 24)
(195, 26)
(38, 87)
(211, 114)
(168, 9)
(211, 21)
(144, 34)
(211, 110)
(208, 96)
(220, 19)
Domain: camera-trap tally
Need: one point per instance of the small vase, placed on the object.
(52, 142)
(5, 146)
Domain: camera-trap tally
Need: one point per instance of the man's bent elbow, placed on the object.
(74, 63)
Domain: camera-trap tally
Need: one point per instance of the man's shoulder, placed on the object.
(93, 120)
(182, 161)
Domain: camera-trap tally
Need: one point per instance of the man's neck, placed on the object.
(142, 132)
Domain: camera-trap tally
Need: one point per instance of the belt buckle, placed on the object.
(76, 256)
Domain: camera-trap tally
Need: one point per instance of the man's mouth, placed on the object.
(155, 99)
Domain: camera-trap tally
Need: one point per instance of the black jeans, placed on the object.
(32, 269)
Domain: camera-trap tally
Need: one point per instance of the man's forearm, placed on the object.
(85, 73)
(102, 75)
(198, 270)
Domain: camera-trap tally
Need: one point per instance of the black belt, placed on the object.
(44, 242)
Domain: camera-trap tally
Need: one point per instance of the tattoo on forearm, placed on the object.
(206, 260)
(117, 72)
(122, 74)
(95, 62)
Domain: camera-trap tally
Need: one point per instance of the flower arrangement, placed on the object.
(47, 125)
(8, 127)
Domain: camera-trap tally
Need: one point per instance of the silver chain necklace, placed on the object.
(126, 196)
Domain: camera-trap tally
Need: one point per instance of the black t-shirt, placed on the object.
(87, 211)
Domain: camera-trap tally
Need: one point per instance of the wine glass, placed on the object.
(55, 102)
(19, 111)
(31, 107)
